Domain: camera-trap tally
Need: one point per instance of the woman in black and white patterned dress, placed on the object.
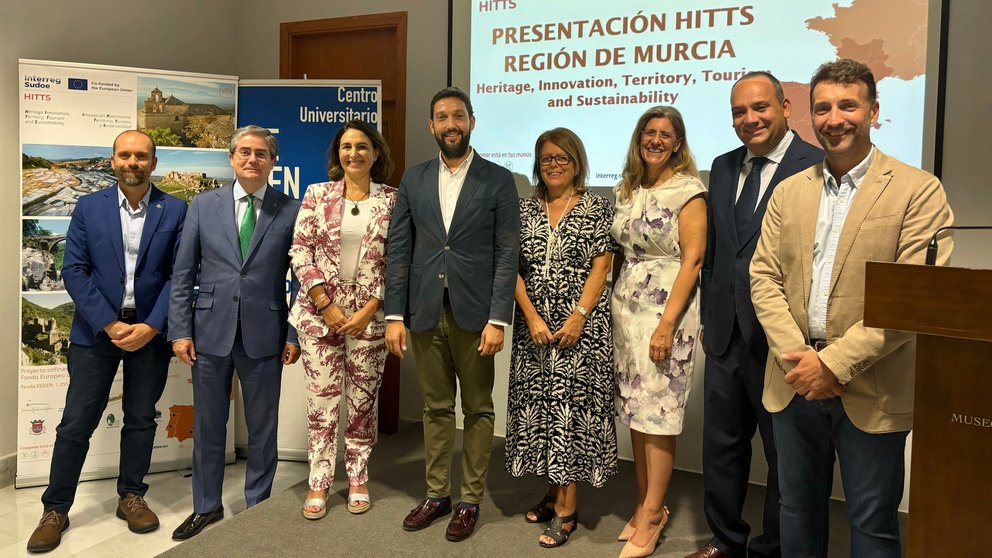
(560, 419)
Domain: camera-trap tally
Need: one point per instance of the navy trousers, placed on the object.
(732, 411)
(261, 382)
(91, 373)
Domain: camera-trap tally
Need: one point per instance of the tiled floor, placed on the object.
(96, 532)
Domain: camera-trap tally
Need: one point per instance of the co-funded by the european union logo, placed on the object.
(79, 84)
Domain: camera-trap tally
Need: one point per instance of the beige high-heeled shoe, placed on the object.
(626, 533)
(631, 550)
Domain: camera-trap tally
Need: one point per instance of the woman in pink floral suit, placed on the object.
(338, 254)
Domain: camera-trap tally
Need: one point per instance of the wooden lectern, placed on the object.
(950, 495)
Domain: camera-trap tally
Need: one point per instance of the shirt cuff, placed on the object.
(499, 323)
(394, 318)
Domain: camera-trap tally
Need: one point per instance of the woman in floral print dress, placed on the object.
(661, 225)
(338, 254)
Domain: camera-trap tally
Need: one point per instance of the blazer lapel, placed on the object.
(153, 214)
(271, 203)
(733, 171)
(333, 219)
(112, 218)
(433, 196)
(809, 205)
(377, 206)
(792, 161)
(473, 179)
(225, 211)
(876, 179)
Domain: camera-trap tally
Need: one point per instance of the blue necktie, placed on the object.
(748, 200)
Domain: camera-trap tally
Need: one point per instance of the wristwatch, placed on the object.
(582, 310)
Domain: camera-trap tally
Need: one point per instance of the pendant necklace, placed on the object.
(354, 210)
(553, 231)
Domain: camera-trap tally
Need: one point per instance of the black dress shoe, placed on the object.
(195, 523)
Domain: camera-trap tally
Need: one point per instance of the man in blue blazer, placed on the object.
(236, 248)
(741, 182)
(120, 248)
(451, 267)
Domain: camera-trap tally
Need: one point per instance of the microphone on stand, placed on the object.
(932, 247)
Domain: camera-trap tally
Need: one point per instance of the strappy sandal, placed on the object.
(319, 503)
(556, 532)
(359, 503)
(542, 513)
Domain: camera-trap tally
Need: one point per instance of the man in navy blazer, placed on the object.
(120, 248)
(451, 267)
(236, 248)
(741, 182)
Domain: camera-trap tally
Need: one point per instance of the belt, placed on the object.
(818, 344)
(127, 315)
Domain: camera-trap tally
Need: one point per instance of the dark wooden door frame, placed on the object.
(396, 21)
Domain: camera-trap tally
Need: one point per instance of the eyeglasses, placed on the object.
(660, 134)
(246, 153)
(562, 160)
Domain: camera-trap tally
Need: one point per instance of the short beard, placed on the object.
(455, 151)
(135, 178)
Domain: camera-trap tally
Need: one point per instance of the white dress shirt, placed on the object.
(449, 186)
(774, 157)
(241, 203)
(132, 222)
(835, 202)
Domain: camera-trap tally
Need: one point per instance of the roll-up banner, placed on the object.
(70, 114)
(304, 115)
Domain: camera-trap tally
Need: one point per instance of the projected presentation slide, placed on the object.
(595, 66)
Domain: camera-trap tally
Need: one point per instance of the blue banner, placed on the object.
(305, 115)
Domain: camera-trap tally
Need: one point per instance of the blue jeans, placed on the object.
(872, 467)
(91, 373)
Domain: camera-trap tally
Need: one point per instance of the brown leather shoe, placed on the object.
(48, 534)
(710, 551)
(134, 509)
(425, 513)
(462, 523)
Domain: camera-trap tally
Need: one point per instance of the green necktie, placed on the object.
(247, 226)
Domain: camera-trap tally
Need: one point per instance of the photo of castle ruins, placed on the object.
(185, 173)
(45, 323)
(186, 113)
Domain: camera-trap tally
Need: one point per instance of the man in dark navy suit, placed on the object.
(741, 182)
(120, 248)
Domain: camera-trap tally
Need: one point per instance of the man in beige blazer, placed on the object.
(832, 384)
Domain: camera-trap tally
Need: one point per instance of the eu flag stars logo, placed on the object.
(78, 84)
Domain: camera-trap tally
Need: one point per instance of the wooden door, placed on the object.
(359, 47)
(356, 47)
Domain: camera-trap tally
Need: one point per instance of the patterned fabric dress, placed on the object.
(560, 419)
(651, 397)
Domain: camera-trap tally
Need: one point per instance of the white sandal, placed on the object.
(355, 502)
(320, 503)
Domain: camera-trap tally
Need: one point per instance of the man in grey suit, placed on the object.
(741, 182)
(451, 267)
(237, 240)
